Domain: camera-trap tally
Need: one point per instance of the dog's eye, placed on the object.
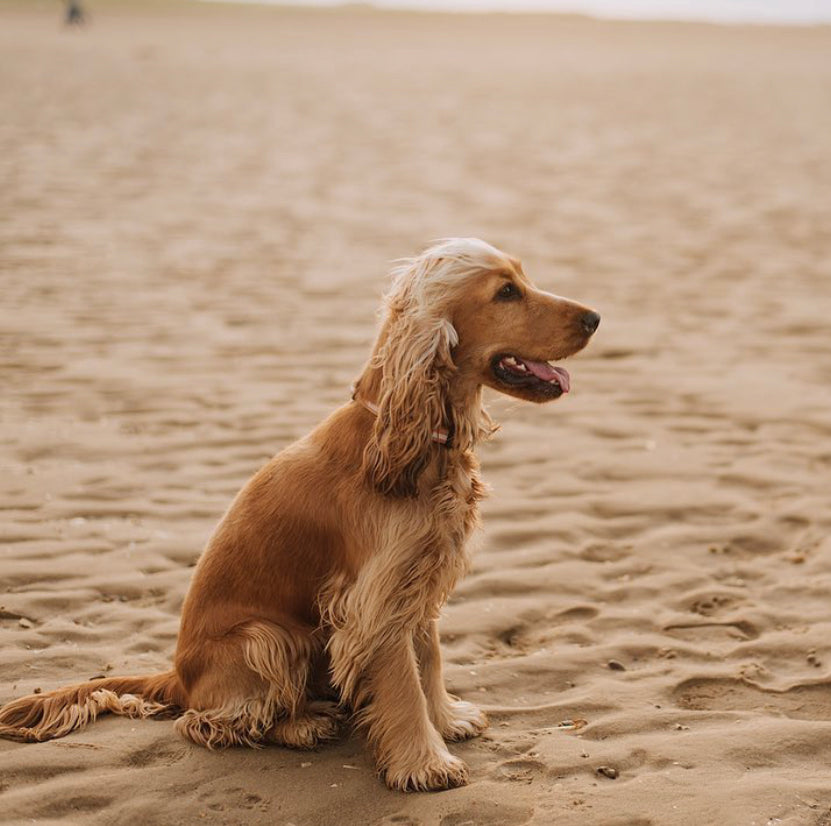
(508, 292)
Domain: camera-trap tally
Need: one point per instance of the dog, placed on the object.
(320, 590)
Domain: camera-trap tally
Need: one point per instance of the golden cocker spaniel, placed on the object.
(320, 589)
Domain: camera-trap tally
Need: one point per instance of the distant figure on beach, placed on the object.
(74, 13)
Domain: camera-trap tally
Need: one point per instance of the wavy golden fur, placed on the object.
(320, 590)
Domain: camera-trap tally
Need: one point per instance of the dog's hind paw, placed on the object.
(320, 723)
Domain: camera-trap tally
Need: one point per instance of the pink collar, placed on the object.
(440, 436)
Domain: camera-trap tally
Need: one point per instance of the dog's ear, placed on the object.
(416, 368)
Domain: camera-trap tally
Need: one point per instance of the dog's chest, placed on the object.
(453, 506)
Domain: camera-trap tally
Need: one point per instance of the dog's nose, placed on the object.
(590, 322)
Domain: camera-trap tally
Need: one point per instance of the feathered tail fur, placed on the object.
(39, 717)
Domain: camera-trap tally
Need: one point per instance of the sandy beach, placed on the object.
(199, 205)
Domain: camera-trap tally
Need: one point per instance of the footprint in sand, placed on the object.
(518, 771)
(513, 746)
(709, 605)
(801, 702)
(488, 814)
(72, 805)
(233, 799)
(159, 753)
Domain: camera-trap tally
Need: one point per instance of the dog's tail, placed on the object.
(40, 717)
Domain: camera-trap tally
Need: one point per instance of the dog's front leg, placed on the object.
(454, 718)
(410, 753)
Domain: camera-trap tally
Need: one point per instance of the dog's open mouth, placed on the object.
(537, 376)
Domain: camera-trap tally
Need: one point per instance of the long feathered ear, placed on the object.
(416, 368)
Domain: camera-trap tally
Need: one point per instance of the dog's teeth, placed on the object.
(514, 363)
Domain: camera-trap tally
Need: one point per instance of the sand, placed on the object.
(198, 206)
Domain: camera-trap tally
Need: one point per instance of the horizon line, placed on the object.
(573, 9)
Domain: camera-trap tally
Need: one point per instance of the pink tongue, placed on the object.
(546, 372)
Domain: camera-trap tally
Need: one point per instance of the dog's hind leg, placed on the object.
(253, 691)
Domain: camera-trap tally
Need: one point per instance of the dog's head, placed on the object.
(462, 315)
(488, 322)
(509, 331)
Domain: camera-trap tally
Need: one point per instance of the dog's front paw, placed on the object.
(436, 771)
(462, 720)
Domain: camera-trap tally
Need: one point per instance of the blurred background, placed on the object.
(199, 205)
